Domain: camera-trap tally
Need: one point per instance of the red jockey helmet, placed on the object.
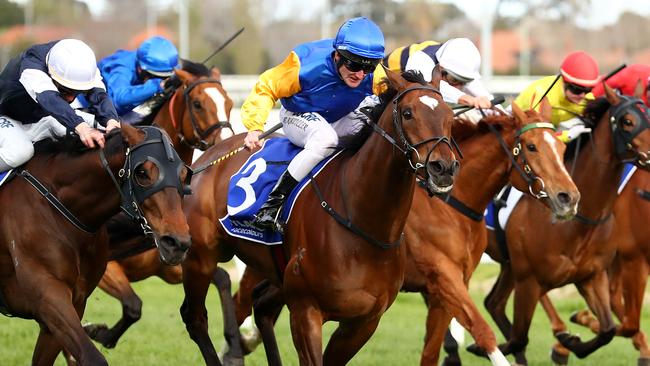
(581, 69)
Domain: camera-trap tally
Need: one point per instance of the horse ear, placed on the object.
(216, 74)
(436, 76)
(131, 134)
(546, 110)
(611, 95)
(639, 90)
(395, 79)
(185, 76)
(520, 116)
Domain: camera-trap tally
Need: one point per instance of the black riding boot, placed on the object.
(270, 211)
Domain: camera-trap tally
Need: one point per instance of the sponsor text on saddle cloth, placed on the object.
(515, 195)
(250, 186)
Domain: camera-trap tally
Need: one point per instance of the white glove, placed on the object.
(571, 129)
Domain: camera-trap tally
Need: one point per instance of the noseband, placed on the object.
(198, 133)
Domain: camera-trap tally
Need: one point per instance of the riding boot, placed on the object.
(270, 211)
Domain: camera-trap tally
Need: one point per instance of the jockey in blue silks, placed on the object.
(36, 91)
(321, 86)
(132, 77)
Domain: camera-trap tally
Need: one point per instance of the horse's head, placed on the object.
(420, 122)
(207, 107)
(539, 166)
(629, 120)
(153, 181)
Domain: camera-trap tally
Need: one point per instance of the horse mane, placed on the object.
(387, 96)
(594, 112)
(71, 145)
(173, 83)
(463, 129)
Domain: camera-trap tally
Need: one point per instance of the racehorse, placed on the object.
(628, 273)
(331, 273)
(195, 113)
(545, 254)
(54, 244)
(442, 257)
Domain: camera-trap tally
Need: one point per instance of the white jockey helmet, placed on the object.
(71, 63)
(461, 58)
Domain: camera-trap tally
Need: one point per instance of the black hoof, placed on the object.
(559, 358)
(475, 349)
(643, 361)
(100, 333)
(451, 361)
(232, 361)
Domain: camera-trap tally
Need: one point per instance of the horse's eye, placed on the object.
(531, 147)
(141, 176)
(627, 122)
(407, 114)
(196, 104)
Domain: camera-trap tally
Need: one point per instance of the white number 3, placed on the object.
(258, 166)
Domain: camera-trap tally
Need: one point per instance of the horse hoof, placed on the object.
(578, 317)
(566, 339)
(560, 359)
(475, 349)
(643, 361)
(99, 333)
(451, 361)
(232, 361)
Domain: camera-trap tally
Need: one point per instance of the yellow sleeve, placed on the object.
(278, 82)
(377, 76)
(528, 97)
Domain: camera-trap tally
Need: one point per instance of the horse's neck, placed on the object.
(85, 188)
(597, 174)
(164, 120)
(484, 170)
(378, 187)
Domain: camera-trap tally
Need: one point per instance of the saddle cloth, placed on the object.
(514, 196)
(250, 187)
(4, 176)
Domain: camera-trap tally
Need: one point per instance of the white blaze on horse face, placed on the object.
(552, 141)
(430, 102)
(220, 102)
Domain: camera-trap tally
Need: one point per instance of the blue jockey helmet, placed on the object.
(360, 40)
(157, 56)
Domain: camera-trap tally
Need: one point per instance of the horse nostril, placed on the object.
(436, 166)
(564, 197)
(455, 166)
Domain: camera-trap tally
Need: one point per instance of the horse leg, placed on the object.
(559, 354)
(47, 348)
(306, 323)
(495, 303)
(234, 356)
(527, 293)
(451, 349)
(268, 301)
(634, 276)
(197, 274)
(455, 298)
(116, 283)
(347, 340)
(595, 290)
(438, 319)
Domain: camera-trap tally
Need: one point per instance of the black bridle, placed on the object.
(623, 139)
(198, 133)
(408, 148)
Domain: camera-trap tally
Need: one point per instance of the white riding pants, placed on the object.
(17, 139)
(318, 137)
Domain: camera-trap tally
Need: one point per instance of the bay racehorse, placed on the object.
(628, 274)
(54, 253)
(331, 273)
(441, 258)
(545, 254)
(195, 112)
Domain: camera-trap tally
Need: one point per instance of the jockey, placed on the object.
(459, 61)
(625, 81)
(36, 89)
(132, 77)
(321, 86)
(567, 93)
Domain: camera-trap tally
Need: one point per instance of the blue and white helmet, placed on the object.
(157, 56)
(361, 40)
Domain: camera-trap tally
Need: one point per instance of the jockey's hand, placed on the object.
(252, 139)
(111, 124)
(89, 136)
(476, 102)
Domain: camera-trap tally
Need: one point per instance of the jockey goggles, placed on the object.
(355, 66)
(455, 79)
(577, 89)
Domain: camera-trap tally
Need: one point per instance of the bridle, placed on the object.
(199, 134)
(405, 146)
(623, 139)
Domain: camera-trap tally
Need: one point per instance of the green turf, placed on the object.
(160, 337)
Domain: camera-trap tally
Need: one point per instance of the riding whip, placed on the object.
(227, 42)
(234, 152)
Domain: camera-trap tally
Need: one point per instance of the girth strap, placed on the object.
(462, 208)
(587, 221)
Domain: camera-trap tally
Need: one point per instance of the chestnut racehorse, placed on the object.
(545, 254)
(628, 274)
(54, 253)
(442, 257)
(195, 115)
(332, 273)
